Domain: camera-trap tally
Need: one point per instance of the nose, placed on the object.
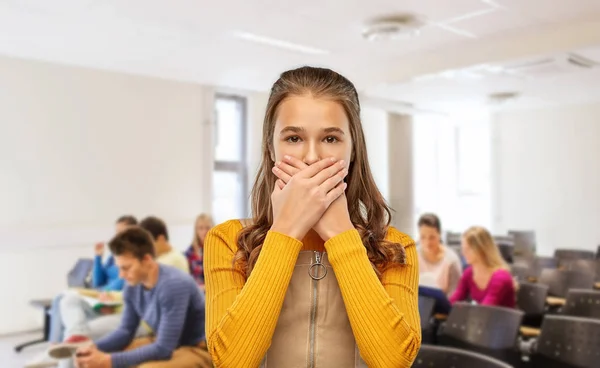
(311, 154)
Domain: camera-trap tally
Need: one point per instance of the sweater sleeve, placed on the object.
(173, 298)
(121, 337)
(383, 310)
(242, 314)
(114, 285)
(462, 291)
(99, 275)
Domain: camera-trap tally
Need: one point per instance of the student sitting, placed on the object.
(488, 280)
(195, 253)
(105, 278)
(165, 253)
(82, 325)
(436, 260)
(162, 299)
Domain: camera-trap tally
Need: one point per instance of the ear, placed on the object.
(271, 155)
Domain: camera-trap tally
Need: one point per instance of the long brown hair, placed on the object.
(368, 210)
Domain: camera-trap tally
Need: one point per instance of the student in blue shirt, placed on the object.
(105, 278)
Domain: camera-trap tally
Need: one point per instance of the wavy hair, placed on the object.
(368, 210)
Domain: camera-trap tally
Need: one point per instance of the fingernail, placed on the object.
(342, 163)
(333, 159)
(278, 163)
(287, 157)
(275, 168)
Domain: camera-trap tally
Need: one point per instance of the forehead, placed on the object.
(307, 112)
(424, 229)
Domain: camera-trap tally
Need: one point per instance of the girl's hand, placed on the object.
(299, 204)
(336, 219)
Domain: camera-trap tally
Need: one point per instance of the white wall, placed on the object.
(78, 148)
(546, 175)
(375, 127)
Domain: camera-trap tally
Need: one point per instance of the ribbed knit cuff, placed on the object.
(345, 246)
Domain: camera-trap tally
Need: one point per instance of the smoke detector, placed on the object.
(395, 27)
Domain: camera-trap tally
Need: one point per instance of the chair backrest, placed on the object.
(426, 306)
(507, 252)
(570, 340)
(520, 271)
(78, 276)
(524, 242)
(505, 240)
(531, 298)
(484, 326)
(560, 281)
(453, 238)
(565, 254)
(546, 262)
(591, 266)
(582, 303)
(441, 356)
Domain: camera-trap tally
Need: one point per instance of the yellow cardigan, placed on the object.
(241, 314)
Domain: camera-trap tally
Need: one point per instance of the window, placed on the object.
(452, 161)
(230, 190)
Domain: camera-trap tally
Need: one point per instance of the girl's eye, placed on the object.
(331, 139)
(293, 139)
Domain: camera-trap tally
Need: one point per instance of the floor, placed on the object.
(12, 359)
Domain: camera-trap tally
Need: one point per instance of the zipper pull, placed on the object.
(316, 269)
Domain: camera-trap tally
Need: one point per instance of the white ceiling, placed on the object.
(194, 40)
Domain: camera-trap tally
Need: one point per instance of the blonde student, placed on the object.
(317, 277)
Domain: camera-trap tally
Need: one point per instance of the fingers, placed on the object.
(336, 192)
(331, 182)
(84, 350)
(316, 168)
(295, 163)
(280, 184)
(328, 172)
(285, 170)
(282, 175)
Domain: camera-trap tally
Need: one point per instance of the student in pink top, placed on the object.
(488, 280)
(439, 265)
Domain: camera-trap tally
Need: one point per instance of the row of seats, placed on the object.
(564, 341)
(555, 294)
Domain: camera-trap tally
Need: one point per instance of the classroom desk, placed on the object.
(555, 302)
(529, 331)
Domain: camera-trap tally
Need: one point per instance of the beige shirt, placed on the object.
(175, 259)
(444, 274)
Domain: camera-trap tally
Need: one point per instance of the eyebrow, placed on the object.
(296, 129)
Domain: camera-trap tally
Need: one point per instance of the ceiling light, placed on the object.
(396, 27)
(279, 43)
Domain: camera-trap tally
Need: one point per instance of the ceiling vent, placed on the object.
(549, 66)
(401, 26)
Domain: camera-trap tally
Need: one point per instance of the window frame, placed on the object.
(240, 167)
